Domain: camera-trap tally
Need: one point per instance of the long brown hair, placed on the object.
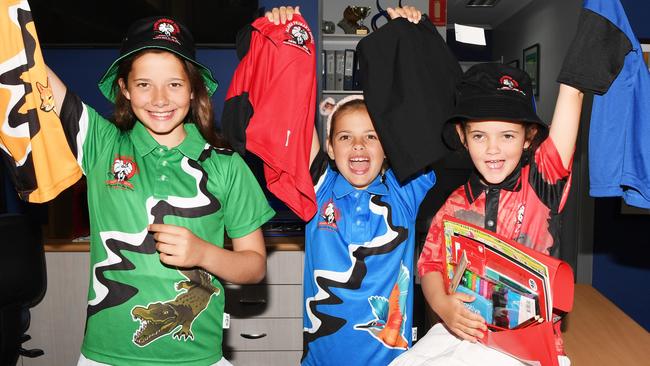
(201, 112)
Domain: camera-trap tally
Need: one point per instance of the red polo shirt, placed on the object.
(270, 108)
(524, 207)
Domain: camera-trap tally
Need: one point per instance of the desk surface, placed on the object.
(598, 333)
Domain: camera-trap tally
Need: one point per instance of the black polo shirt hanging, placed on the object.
(409, 78)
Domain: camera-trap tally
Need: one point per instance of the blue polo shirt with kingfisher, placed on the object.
(358, 279)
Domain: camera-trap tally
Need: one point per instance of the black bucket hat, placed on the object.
(156, 32)
(493, 91)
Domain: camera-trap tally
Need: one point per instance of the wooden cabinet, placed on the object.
(57, 323)
(266, 319)
(266, 358)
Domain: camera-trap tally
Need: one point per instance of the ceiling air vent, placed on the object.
(481, 3)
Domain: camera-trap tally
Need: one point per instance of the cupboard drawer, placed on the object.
(264, 301)
(268, 334)
(266, 358)
(284, 267)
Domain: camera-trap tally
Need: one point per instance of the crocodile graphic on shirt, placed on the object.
(161, 318)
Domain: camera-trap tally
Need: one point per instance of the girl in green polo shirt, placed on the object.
(162, 191)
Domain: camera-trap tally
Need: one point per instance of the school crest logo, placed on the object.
(166, 29)
(508, 83)
(329, 215)
(300, 36)
(122, 170)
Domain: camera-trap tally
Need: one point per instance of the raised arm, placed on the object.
(566, 122)
(58, 88)
(315, 146)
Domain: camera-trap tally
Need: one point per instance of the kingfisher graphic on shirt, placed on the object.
(390, 314)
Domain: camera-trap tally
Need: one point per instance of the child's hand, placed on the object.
(177, 245)
(462, 322)
(409, 12)
(281, 14)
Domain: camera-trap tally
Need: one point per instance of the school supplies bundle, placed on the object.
(518, 291)
(33, 146)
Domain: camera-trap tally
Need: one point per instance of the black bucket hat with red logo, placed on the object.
(493, 92)
(158, 32)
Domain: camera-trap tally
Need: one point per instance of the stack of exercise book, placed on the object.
(519, 292)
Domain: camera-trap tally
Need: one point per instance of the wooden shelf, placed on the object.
(340, 41)
(341, 38)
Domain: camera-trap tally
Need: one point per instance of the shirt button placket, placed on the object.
(360, 216)
(162, 171)
(164, 176)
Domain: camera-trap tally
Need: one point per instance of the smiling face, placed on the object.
(159, 90)
(355, 148)
(495, 147)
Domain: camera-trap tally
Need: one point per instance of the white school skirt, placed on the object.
(440, 348)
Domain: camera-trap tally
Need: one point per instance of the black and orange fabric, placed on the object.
(33, 146)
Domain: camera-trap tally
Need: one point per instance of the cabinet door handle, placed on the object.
(253, 336)
(252, 301)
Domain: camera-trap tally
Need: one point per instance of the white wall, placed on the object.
(552, 24)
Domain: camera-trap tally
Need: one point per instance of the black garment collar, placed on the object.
(474, 187)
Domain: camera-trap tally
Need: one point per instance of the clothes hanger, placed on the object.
(381, 13)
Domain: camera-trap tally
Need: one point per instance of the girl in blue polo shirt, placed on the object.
(359, 248)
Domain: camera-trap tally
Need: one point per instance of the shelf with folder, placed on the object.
(339, 71)
(340, 41)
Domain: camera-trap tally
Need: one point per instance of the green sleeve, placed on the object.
(88, 133)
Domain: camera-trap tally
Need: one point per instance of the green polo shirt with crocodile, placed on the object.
(141, 312)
